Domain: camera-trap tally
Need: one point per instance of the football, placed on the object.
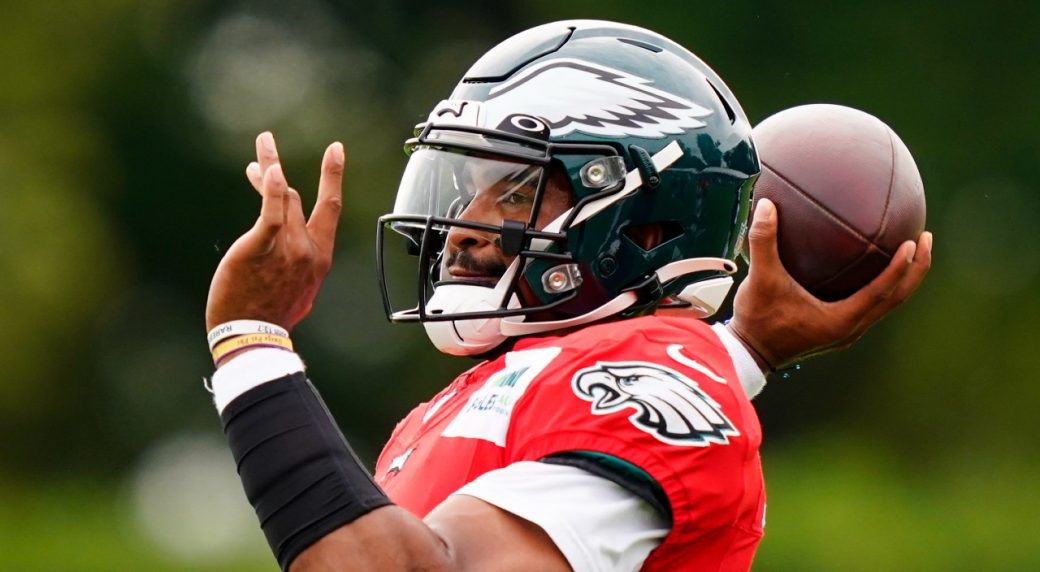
(847, 191)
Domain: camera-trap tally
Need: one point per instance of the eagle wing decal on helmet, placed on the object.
(593, 99)
(668, 405)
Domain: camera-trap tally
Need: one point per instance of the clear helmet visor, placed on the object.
(444, 193)
(452, 185)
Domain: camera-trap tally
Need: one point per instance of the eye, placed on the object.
(515, 197)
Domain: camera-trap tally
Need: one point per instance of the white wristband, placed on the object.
(250, 370)
(242, 328)
(751, 377)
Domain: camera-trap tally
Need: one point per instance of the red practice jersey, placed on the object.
(660, 393)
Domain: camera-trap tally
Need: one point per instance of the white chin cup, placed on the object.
(466, 337)
(706, 296)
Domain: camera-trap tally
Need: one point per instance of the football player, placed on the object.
(581, 174)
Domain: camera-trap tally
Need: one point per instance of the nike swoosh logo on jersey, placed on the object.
(675, 352)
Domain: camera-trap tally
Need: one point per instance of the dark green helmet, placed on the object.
(646, 135)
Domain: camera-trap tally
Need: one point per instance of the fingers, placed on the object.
(294, 219)
(273, 210)
(266, 156)
(919, 267)
(282, 206)
(256, 178)
(325, 216)
(266, 152)
(260, 171)
(889, 289)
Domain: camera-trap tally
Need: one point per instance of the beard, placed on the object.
(491, 267)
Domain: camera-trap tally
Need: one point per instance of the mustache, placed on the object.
(465, 260)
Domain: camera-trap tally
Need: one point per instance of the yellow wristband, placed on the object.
(225, 348)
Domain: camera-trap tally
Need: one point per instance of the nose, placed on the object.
(460, 238)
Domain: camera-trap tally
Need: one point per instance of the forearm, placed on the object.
(317, 506)
(389, 538)
(297, 471)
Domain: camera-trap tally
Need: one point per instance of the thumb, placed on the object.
(762, 237)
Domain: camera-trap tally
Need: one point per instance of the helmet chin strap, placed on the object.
(705, 300)
(480, 335)
(477, 336)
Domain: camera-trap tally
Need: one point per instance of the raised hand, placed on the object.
(782, 322)
(273, 271)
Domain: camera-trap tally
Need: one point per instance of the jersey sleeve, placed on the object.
(595, 523)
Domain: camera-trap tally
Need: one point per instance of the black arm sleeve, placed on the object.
(297, 469)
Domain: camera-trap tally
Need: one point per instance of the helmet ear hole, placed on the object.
(725, 104)
(650, 235)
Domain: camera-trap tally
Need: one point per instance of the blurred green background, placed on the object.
(125, 128)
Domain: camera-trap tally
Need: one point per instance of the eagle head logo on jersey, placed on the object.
(667, 404)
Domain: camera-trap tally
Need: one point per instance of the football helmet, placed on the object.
(638, 132)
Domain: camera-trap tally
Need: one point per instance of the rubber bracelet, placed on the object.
(242, 328)
(228, 347)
